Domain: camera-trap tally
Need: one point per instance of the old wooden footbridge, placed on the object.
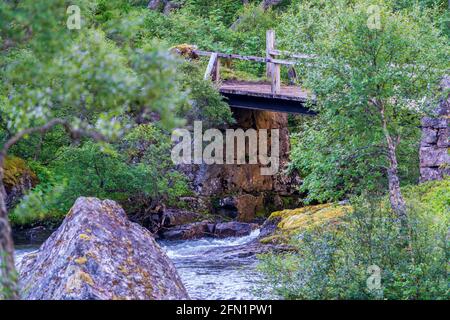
(268, 95)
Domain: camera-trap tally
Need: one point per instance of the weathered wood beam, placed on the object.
(210, 68)
(245, 58)
(270, 46)
(276, 79)
(292, 55)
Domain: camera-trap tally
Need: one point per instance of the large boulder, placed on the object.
(97, 253)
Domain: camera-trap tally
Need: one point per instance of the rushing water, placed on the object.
(205, 272)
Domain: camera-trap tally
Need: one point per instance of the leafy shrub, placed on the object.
(206, 103)
(331, 262)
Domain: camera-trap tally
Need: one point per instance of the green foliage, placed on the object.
(225, 9)
(361, 77)
(208, 27)
(250, 33)
(41, 205)
(136, 172)
(206, 103)
(184, 27)
(101, 78)
(335, 165)
(332, 262)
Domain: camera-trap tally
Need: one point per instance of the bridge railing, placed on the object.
(273, 64)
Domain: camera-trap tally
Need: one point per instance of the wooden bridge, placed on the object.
(270, 95)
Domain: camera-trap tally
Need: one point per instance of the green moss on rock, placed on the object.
(294, 221)
(16, 170)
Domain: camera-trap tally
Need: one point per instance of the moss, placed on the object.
(86, 278)
(15, 169)
(84, 236)
(305, 218)
(185, 50)
(434, 194)
(81, 260)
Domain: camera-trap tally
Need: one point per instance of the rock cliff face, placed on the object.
(97, 253)
(240, 191)
(434, 156)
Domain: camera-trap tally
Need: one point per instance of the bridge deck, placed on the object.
(263, 89)
(258, 95)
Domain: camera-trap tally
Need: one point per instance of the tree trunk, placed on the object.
(395, 195)
(8, 274)
(397, 201)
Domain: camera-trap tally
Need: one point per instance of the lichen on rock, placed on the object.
(97, 253)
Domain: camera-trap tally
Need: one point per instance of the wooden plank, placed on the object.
(245, 58)
(270, 45)
(292, 55)
(210, 67)
(264, 89)
(216, 71)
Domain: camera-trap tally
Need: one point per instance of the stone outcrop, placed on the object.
(97, 253)
(234, 229)
(240, 190)
(189, 231)
(203, 229)
(18, 179)
(176, 217)
(434, 146)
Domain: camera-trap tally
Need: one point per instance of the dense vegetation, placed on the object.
(112, 91)
(336, 261)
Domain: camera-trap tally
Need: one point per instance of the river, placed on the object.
(206, 273)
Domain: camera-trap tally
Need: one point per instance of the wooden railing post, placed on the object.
(276, 80)
(270, 46)
(273, 69)
(213, 70)
(216, 70)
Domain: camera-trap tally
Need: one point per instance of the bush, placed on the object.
(333, 262)
(137, 172)
(206, 103)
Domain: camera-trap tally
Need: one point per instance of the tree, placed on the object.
(377, 72)
(78, 80)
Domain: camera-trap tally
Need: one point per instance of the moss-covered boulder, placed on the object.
(18, 179)
(97, 253)
(283, 224)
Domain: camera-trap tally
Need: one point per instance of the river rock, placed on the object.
(234, 229)
(175, 217)
(188, 231)
(32, 236)
(97, 253)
